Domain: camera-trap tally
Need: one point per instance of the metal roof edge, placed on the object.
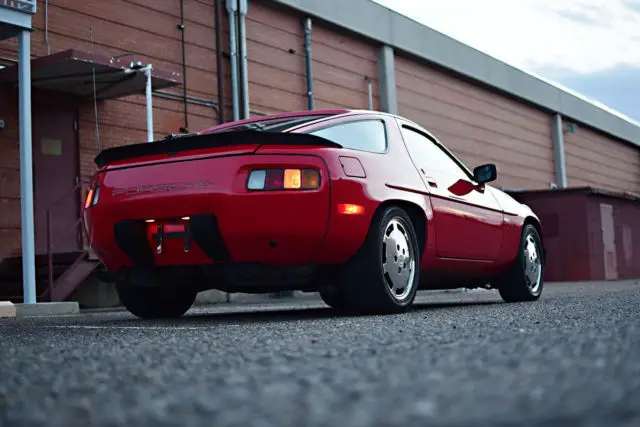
(385, 26)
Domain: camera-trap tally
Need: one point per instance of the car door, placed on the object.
(468, 219)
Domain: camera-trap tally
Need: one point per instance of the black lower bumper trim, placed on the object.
(131, 237)
(206, 233)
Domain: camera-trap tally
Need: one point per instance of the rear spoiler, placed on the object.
(175, 144)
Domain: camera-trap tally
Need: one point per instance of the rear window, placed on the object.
(361, 135)
(272, 125)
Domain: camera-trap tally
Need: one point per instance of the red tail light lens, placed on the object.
(284, 179)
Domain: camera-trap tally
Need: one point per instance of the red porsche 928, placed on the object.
(363, 207)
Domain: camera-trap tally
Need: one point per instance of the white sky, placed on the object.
(581, 36)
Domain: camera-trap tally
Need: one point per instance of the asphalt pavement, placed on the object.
(570, 359)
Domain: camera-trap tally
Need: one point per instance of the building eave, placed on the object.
(385, 26)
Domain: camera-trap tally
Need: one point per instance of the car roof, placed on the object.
(292, 114)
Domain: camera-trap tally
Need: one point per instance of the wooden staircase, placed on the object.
(68, 272)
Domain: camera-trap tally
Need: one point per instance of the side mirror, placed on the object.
(485, 173)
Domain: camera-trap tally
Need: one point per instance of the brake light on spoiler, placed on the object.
(283, 179)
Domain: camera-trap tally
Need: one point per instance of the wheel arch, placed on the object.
(415, 212)
(535, 222)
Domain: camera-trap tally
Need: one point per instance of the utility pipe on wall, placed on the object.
(219, 61)
(242, 35)
(26, 169)
(232, 7)
(181, 27)
(557, 136)
(149, 102)
(307, 50)
(370, 91)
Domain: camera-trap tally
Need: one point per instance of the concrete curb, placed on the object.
(43, 309)
(7, 309)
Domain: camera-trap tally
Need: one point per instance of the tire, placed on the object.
(525, 279)
(333, 297)
(371, 282)
(155, 302)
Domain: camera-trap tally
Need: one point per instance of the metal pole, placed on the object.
(231, 9)
(242, 34)
(557, 137)
(26, 170)
(307, 49)
(149, 99)
(49, 255)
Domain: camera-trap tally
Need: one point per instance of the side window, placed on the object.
(365, 135)
(425, 152)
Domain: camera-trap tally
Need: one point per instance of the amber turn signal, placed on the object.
(350, 209)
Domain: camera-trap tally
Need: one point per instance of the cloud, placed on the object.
(579, 36)
(634, 5)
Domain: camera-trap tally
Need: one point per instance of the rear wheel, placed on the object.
(525, 279)
(333, 297)
(383, 277)
(155, 302)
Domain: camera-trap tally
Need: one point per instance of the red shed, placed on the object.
(589, 233)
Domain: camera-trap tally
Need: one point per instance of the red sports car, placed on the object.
(363, 207)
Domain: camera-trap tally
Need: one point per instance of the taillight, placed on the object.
(92, 197)
(284, 179)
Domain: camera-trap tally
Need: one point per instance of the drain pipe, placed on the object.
(219, 61)
(185, 129)
(307, 49)
(232, 7)
(242, 35)
(370, 91)
(149, 99)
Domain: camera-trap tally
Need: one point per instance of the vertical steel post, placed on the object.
(26, 169)
(242, 35)
(233, 45)
(387, 80)
(49, 255)
(149, 101)
(557, 136)
(307, 49)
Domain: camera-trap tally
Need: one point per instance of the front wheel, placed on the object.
(383, 277)
(155, 302)
(525, 279)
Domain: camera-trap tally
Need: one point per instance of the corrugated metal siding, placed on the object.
(340, 64)
(275, 60)
(596, 160)
(480, 126)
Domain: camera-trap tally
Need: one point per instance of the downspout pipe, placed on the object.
(181, 27)
(219, 60)
(149, 101)
(232, 8)
(557, 136)
(369, 91)
(242, 35)
(307, 50)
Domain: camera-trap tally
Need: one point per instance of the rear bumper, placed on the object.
(225, 221)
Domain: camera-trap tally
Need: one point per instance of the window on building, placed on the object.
(364, 135)
(427, 154)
